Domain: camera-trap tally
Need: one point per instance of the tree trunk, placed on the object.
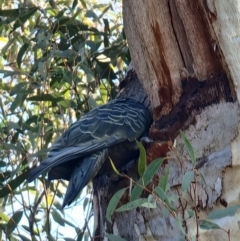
(186, 55)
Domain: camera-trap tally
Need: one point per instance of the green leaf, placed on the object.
(46, 97)
(21, 53)
(163, 197)
(13, 184)
(1, 106)
(149, 203)
(150, 171)
(64, 54)
(23, 18)
(60, 14)
(5, 175)
(131, 205)
(86, 69)
(7, 46)
(16, 102)
(141, 202)
(42, 69)
(190, 149)
(16, 147)
(9, 72)
(69, 223)
(142, 160)
(75, 2)
(114, 168)
(113, 203)
(187, 180)
(203, 179)
(221, 213)
(80, 235)
(164, 180)
(58, 218)
(137, 190)
(24, 238)
(8, 20)
(204, 224)
(13, 222)
(91, 14)
(113, 237)
(57, 205)
(41, 153)
(18, 87)
(86, 203)
(13, 125)
(3, 163)
(26, 228)
(102, 14)
(173, 198)
(9, 12)
(4, 217)
(69, 239)
(86, 237)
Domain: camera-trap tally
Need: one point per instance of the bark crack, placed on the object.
(195, 97)
(174, 31)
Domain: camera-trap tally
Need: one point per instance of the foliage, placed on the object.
(58, 60)
(161, 192)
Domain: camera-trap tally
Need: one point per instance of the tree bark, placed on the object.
(186, 56)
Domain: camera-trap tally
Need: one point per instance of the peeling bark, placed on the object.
(186, 55)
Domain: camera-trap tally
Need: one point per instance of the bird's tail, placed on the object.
(83, 172)
(57, 157)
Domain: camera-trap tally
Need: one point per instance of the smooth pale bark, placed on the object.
(169, 41)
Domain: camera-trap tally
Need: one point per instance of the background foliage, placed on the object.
(58, 59)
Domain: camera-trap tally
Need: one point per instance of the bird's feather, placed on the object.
(82, 174)
(115, 122)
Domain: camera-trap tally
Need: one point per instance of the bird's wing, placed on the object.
(82, 174)
(110, 124)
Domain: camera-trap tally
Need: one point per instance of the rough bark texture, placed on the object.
(186, 55)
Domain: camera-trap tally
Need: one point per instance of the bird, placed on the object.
(83, 151)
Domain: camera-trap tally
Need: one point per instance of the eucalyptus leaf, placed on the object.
(208, 225)
(131, 205)
(189, 148)
(13, 222)
(24, 238)
(58, 218)
(164, 180)
(114, 168)
(24, 17)
(142, 160)
(21, 52)
(13, 184)
(163, 197)
(221, 213)
(113, 237)
(91, 14)
(9, 12)
(113, 203)
(187, 180)
(148, 174)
